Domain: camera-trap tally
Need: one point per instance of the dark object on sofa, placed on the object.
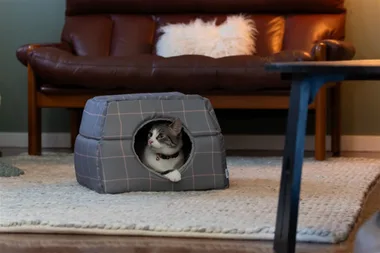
(108, 47)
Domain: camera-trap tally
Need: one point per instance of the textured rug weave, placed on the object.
(47, 199)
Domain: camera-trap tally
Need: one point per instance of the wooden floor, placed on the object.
(117, 244)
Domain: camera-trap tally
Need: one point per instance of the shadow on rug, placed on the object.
(7, 170)
(48, 199)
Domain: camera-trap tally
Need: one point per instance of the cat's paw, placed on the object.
(174, 176)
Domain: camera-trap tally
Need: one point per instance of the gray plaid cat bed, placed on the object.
(113, 132)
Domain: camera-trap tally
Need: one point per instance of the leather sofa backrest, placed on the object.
(128, 27)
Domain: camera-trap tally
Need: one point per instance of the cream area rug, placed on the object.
(47, 199)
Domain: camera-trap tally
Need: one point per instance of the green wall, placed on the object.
(21, 22)
(24, 21)
(361, 100)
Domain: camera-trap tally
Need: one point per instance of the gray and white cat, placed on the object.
(163, 151)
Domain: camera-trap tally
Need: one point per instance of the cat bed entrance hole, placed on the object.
(141, 137)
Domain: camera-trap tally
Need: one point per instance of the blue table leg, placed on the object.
(303, 92)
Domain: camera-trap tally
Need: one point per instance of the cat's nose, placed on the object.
(150, 142)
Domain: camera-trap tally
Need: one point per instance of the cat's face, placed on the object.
(165, 137)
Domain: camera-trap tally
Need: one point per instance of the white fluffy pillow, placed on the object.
(236, 36)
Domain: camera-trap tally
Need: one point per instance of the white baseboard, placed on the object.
(20, 140)
(232, 142)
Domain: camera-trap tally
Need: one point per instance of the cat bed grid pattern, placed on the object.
(105, 157)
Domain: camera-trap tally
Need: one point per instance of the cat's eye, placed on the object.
(160, 136)
(150, 134)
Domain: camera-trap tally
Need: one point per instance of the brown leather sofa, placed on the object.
(108, 46)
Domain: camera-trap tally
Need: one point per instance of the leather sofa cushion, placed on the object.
(304, 30)
(153, 73)
(127, 35)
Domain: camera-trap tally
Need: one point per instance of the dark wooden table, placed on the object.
(307, 78)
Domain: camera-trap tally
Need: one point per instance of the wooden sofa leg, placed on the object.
(34, 117)
(320, 124)
(75, 120)
(336, 131)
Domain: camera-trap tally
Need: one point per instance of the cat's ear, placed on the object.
(176, 127)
